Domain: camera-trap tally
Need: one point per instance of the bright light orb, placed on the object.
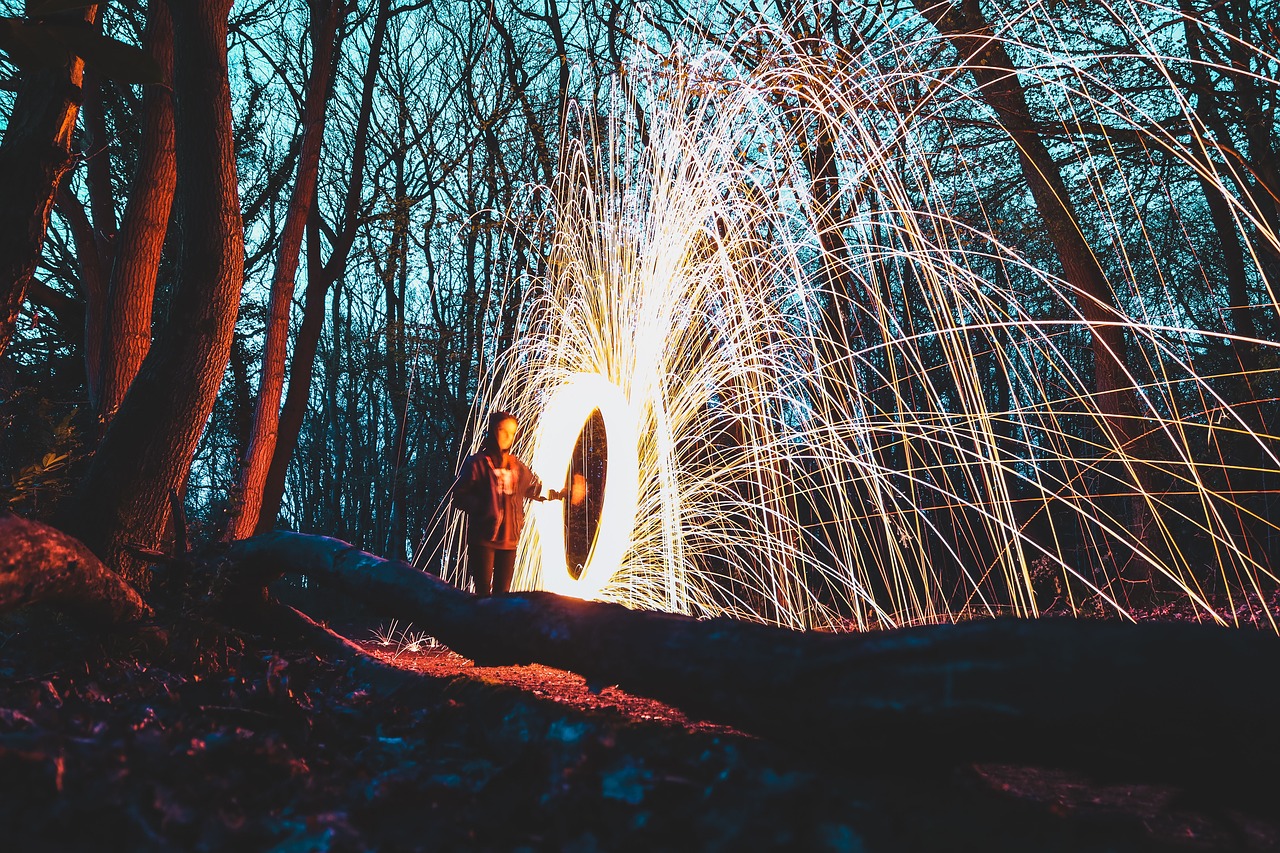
(562, 421)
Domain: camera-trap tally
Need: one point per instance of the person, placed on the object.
(491, 489)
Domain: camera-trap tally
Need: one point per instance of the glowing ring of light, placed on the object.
(562, 421)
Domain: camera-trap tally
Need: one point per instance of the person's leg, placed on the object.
(504, 568)
(480, 564)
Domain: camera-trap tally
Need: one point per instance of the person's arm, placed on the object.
(465, 486)
(534, 489)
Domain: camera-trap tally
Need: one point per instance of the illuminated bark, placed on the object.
(148, 447)
(126, 320)
(39, 564)
(266, 413)
(35, 154)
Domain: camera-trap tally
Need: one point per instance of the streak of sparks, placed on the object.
(939, 455)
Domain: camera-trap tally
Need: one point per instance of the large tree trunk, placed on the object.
(131, 291)
(986, 59)
(35, 154)
(148, 447)
(266, 413)
(1046, 690)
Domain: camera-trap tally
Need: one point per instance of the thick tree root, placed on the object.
(1183, 702)
(41, 564)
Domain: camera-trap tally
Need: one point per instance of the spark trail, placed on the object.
(859, 388)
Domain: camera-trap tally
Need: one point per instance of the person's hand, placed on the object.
(553, 495)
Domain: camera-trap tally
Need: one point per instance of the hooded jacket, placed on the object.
(494, 518)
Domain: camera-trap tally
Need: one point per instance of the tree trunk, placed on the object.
(92, 286)
(1257, 103)
(131, 292)
(1047, 690)
(841, 322)
(40, 564)
(148, 447)
(319, 280)
(1209, 112)
(301, 369)
(986, 59)
(266, 413)
(97, 155)
(395, 281)
(35, 154)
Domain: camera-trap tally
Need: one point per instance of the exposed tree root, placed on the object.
(39, 564)
(1193, 704)
(1185, 702)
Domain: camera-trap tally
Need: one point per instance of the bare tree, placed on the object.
(321, 276)
(35, 154)
(146, 453)
(325, 20)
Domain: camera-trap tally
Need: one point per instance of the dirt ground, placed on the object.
(1160, 816)
(205, 739)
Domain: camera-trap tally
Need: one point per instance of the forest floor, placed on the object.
(208, 739)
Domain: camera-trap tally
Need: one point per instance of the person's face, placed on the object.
(505, 434)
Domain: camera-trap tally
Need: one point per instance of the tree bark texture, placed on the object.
(266, 412)
(147, 449)
(126, 319)
(1173, 700)
(35, 154)
(39, 564)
